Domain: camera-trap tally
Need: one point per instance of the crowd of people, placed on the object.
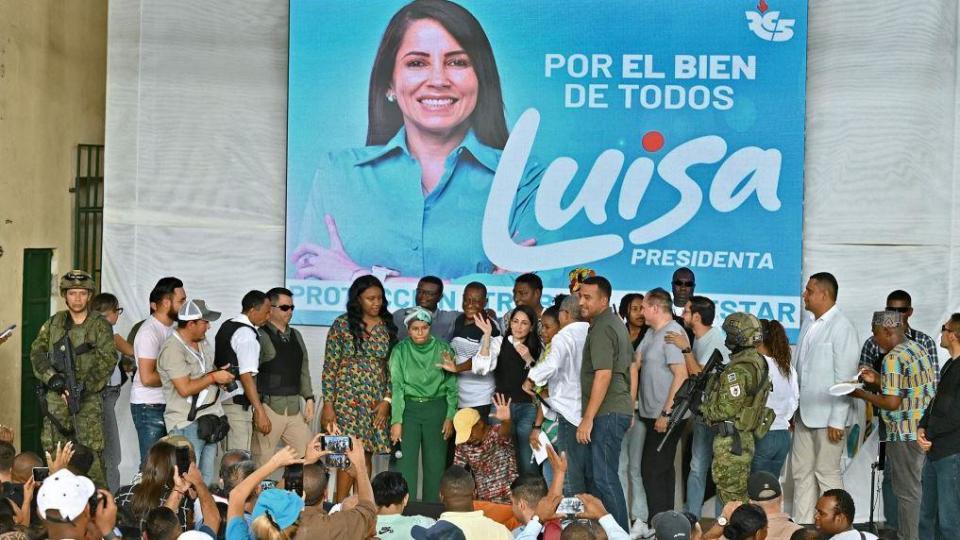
(554, 421)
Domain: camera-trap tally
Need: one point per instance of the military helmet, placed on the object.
(77, 279)
(743, 329)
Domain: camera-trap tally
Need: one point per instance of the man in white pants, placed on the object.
(827, 353)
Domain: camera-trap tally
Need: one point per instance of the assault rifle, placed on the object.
(63, 359)
(690, 395)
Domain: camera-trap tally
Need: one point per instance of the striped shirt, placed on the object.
(908, 373)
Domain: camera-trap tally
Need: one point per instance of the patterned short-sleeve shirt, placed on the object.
(494, 465)
(908, 373)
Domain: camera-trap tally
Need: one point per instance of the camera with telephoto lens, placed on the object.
(232, 385)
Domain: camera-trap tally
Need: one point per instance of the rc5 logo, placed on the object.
(768, 25)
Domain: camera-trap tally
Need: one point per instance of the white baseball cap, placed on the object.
(65, 492)
(195, 310)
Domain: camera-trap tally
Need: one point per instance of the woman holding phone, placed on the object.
(356, 378)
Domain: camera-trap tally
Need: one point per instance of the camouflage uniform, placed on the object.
(728, 394)
(93, 369)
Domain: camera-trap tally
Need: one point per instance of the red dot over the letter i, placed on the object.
(652, 141)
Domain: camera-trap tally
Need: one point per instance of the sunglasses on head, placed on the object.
(285, 307)
(898, 309)
(684, 283)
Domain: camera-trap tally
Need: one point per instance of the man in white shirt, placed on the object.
(238, 344)
(827, 353)
(835, 512)
(147, 402)
(560, 372)
(698, 316)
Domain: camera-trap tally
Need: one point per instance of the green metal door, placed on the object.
(36, 310)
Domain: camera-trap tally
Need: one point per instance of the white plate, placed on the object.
(844, 388)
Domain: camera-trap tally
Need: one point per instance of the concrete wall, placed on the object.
(53, 65)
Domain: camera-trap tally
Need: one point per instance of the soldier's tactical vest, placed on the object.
(756, 417)
(281, 376)
(225, 353)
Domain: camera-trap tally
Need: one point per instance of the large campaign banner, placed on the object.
(478, 140)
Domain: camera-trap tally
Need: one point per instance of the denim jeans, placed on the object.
(940, 502)
(605, 442)
(148, 420)
(579, 477)
(701, 460)
(630, 467)
(523, 415)
(771, 452)
(206, 453)
(111, 437)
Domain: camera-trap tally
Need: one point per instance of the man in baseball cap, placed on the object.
(764, 490)
(63, 502)
(192, 386)
(487, 450)
(671, 525)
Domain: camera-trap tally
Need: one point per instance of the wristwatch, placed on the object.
(722, 521)
(686, 350)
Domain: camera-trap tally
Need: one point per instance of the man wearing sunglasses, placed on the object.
(283, 379)
(683, 283)
(872, 355)
(939, 437)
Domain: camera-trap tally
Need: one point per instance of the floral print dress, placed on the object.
(356, 381)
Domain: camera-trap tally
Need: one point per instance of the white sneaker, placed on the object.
(640, 531)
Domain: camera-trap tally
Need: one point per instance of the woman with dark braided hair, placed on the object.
(356, 376)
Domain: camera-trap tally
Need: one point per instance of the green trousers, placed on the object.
(423, 433)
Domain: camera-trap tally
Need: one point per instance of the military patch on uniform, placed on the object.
(735, 390)
(731, 377)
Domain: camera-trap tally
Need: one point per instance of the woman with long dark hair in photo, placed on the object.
(436, 129)
(356, 376)
(770, 452)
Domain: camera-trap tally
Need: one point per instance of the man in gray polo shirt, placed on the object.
(605, 393)
(191, 385)
(662, 373)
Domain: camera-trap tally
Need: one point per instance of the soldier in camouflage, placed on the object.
(95, 357)
(735, 407)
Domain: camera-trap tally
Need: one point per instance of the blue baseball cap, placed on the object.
(281, 506)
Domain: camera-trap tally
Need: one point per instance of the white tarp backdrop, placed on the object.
(196, 151)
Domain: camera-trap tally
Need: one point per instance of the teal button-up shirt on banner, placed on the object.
(375, 196)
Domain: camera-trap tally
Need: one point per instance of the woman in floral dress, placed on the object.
(356, 376)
